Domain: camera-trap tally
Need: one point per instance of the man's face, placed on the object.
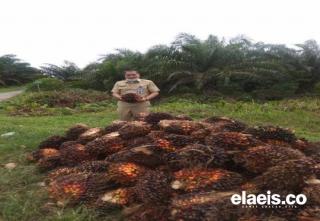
(132, 75)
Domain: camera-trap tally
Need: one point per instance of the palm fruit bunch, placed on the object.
(165, 167)
(231, 140)
(312, 191)
(77, 187)
(196, 155)
(90, 135)
(195, 179)
(310, 214)
(213, 206)
(147, 155)
(114, 126)
(103, 146)
(46, 159)
(266, 133)
(75, 131)
(115, 199)
(125, 173)
(286, 177)
(225, 124)
(258, 159)
(131, 98)
(52, 142)
(74, 154)
(134, 129)
(154, 187)
(184, 127)
(155, 118)
(148, 212)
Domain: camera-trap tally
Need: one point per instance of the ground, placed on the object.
(21, 195)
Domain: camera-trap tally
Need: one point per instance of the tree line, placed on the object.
(237, 67)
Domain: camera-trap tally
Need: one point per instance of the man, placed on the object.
(146, 90)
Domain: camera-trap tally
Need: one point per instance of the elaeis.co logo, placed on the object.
(268, 200)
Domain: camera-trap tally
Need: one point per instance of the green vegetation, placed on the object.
(22, 198)
(238, 68)
(62, 102)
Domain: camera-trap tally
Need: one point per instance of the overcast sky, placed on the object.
(51, 31)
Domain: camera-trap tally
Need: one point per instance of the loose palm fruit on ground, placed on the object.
(134, 129)
(52, 142)
(103, 146)
(90, 135)
(75, 131)
(197, 179)
(258, 159)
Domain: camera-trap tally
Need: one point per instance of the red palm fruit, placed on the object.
(196, 155)
(74, 155)
(213, 206)
(68, 189)
(231, 140)
(114, 126)
(194, 180)
(154, 187)
(90, 135)
(125, 173)
(75, 131)
(115, 199)
(258, 159)
(52, 142)
(103, 146)
(286, 177)
(134, 129)
(138, 141)
(68, 143)
(183, 127)
(146, 155)
(43, 153)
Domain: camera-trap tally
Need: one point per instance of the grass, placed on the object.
(21, 197)
(11, 88)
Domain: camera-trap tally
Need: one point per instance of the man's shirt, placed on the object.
(141, 87)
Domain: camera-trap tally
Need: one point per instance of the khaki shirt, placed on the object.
(141, 87)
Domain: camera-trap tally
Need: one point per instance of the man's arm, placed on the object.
(117, 96)
(151, 96)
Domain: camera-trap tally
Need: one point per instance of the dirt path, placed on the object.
(7, 95)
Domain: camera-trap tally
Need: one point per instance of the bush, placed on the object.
(57, 102)
(46, 84)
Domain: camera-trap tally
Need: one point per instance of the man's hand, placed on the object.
(117, 96)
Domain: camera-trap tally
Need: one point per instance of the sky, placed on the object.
(81, 31)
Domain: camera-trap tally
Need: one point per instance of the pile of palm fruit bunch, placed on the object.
(165, 167)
